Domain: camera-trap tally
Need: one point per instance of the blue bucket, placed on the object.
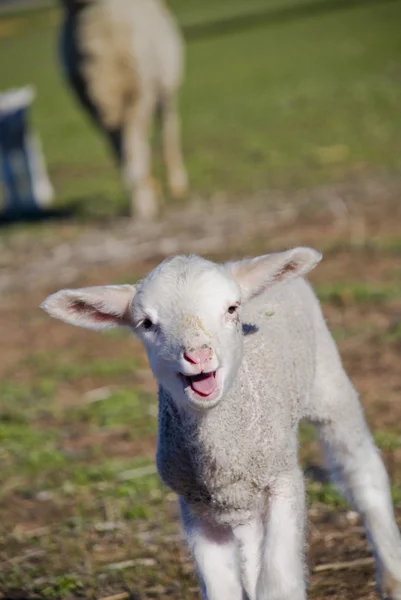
(26, 187)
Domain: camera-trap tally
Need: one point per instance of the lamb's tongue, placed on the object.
(203, 384)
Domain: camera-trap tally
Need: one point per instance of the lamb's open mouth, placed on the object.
(203, 384)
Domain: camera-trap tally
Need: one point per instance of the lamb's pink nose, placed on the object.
(200, 356)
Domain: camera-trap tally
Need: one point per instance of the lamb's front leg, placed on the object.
(283, 569)
(215, 554)
(249, 539)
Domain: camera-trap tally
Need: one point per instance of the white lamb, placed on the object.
(124, 59)
(241, 353)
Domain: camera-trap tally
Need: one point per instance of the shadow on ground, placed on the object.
(78, 209)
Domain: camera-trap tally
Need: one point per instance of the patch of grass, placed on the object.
(30, 459)
(394, 333)
(106, 472)
(37, 437)
(63, 586)
(137, 512)
(341, 333)
(344, 293)
(364, 330)
(325, 493)
(98, 368)
(23, 404)
(388, 440)
(396, 495)
(307, 433)
(128, 408)
(62, 367)
(385, 245)
(16, 394)
(388, 244)
(280, 111)
(192, 12)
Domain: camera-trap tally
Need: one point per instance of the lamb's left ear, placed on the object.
(255, 275)
(92, 307)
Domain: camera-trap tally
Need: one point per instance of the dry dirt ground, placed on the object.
(67, 534)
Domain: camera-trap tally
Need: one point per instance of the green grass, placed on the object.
(34, 461)
(287, 103)
(388, 441)
(385, 245)
(37, 433)
(393, 334)
(126, 407)
(194, 12)
(68, 368)
(325, 493)
(343, 293)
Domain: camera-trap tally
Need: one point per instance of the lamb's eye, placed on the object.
(232, 309)
(147, 324)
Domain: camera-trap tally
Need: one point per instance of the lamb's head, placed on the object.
(187, 312)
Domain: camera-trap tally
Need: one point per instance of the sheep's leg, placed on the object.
(282, 572)
(249, 538)
(215, 554)
(136, 160)
(357, 466)
(176, 173)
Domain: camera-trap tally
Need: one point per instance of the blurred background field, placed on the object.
(288, 102)
(291, 117)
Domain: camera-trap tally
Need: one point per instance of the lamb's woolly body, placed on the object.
(224, 461)
(231, 453)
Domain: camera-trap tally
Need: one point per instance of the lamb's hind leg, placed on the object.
(357, 466)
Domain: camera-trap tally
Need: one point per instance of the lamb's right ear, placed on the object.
(100, 307)
(256, 275)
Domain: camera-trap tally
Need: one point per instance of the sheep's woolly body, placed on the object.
(124, 61)
(131, 48)
(242, 353)
(224, 461)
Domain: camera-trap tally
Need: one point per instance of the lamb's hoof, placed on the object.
(390, 587)
(178, 184)
(144, 204)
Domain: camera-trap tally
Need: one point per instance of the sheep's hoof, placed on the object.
(178, 184)
(144, 204)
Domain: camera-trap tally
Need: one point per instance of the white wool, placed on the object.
(135, 50)
(228, 447)
(125, 58)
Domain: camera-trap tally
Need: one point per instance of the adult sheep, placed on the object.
(242, 353)
(124, 59)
